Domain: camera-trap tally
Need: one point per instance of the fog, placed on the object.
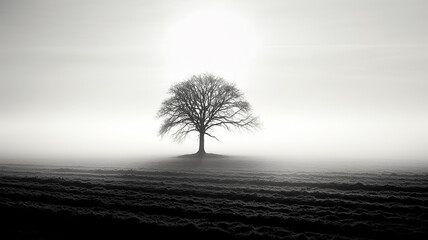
(344, 84)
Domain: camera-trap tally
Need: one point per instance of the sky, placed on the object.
(328, 79)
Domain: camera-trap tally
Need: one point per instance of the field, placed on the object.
(189, 199)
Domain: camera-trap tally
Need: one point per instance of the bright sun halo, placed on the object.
(214, 40)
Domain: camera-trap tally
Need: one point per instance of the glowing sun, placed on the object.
(214, 40)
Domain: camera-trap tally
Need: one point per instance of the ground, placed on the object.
(209, 199)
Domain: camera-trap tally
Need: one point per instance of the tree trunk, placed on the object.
(201, 150)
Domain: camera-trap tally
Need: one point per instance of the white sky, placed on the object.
(329, 79)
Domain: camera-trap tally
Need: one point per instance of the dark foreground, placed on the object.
(90, 203)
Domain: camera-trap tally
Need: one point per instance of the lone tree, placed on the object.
(202, 103)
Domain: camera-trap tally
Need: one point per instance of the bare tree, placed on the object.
(202, 103)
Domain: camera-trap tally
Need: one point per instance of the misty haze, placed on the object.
(239, 119)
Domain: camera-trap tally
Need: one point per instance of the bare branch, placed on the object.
(212, 136)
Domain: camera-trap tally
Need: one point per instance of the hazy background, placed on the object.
(329, 79)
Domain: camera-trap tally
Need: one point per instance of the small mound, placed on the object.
(202, 156)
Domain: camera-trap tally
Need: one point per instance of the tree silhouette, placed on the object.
(202, 103)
